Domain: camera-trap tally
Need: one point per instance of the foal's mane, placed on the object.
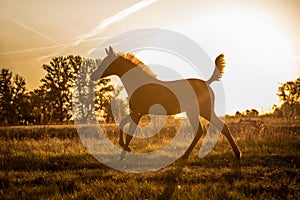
(137, 62)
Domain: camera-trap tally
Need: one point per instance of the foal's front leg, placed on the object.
(122, 124)
(134, 120)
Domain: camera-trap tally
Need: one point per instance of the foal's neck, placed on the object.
(133, 76)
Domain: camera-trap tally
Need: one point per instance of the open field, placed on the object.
(51, 163)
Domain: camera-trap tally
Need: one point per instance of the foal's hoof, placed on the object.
(122, 157)
(123, 154)
(239, 155)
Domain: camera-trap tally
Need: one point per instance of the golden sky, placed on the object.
(260, 38)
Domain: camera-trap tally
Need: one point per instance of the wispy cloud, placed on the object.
(171, 26)
(48, 47)
(82, 38)
(46, 57)
(33, 30)
(115, 18)
(57, 44)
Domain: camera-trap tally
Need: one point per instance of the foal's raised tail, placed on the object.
(219, 69)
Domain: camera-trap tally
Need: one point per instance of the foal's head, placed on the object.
(106, 67)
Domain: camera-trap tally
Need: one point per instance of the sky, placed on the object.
(260, 38)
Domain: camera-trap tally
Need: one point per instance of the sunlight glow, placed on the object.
(258, 56)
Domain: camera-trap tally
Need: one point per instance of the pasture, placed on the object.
(49, 162)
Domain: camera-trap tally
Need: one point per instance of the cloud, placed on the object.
(46, 57)
(112, 19)
(33, 30)
(82, 38)
(48, 47)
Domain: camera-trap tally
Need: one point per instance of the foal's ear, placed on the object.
(106, 50)
(110, 51)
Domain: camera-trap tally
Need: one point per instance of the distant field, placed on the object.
(49, 162)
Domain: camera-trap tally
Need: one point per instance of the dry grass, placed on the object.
(51, 163)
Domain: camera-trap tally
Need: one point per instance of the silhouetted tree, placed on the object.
(252, 113)
(58, 82)
(119, 108)
(52, 101)
(13, 98)
(91, 96)
(19, 100)
(289, 94)
(277, 112)
(5, 95)
(40, 107)
(238, 114)
(112, 105)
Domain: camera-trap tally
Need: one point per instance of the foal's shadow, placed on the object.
(175, 176)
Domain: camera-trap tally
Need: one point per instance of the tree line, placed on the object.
(289, 95)
(67, 81)
(52, 101)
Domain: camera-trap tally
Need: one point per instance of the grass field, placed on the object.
(51, 163)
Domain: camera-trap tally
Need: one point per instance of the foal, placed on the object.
(193, 96)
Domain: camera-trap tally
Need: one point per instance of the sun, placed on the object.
(258, 53)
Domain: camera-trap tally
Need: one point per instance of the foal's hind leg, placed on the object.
(225, 131)
(194, 120)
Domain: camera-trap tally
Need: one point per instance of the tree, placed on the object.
(238, 114)
(118, 109)
(13, 98)
(41, 111)
(5, 95)
(58, 82)
(89, 96)
(113, 106)
(277, 112)
(289, 94)
(252, 113)
(19, 100)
